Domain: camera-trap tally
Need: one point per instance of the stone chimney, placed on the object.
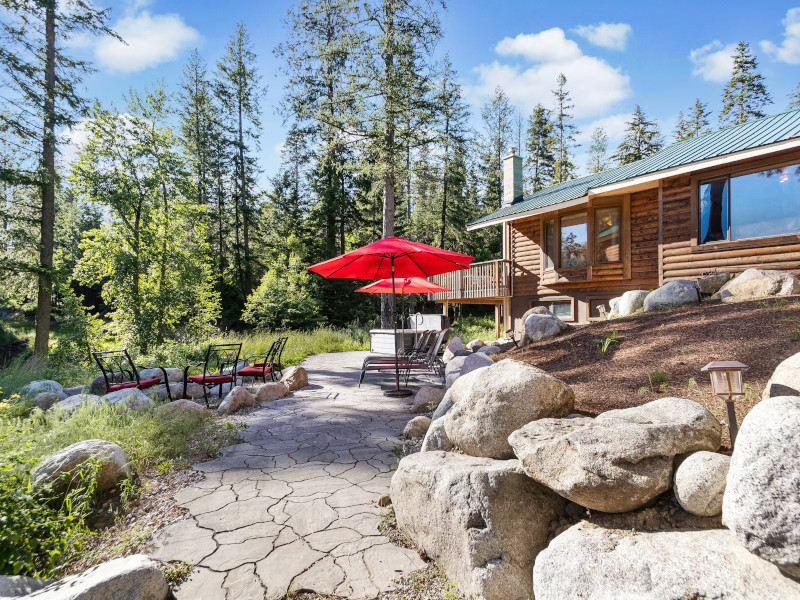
(512, 177)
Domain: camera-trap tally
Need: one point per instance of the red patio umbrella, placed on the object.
(407, 285)
(391, 258)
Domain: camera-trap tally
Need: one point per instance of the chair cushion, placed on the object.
(121, 386)
(210, 379)
(144, 383)
(254, 370)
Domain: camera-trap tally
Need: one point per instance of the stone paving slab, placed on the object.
(295, 506)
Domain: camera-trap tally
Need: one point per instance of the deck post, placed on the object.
(498, 324)
(444, 308)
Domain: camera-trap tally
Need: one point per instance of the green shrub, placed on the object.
(40, 534)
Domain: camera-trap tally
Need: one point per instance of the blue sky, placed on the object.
(615, 54)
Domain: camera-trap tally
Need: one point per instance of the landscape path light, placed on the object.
(726, 382)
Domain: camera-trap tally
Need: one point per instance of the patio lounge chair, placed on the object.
(261, 365)
(429, 361)
(219, 368)
(120, 373)
(422, 345)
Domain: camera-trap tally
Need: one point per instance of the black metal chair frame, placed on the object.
(267, 361)
(421, 347)
(223, 357)
(117, 365)
(277, 365)
(428, 361)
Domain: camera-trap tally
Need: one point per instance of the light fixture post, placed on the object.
(726, 383)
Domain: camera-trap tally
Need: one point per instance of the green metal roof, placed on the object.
(753, 134)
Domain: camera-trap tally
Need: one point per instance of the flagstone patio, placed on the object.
(295, 507)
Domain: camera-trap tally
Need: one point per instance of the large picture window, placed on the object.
(574, 235)
(756, 205)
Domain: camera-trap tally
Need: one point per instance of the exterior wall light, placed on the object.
(726, 382)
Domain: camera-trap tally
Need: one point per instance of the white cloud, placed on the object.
(72, 140)
(595, 86)
(151, 40)
(789, 50)
(613, 125)
(713, 62)
(548, 46)
(613, 36)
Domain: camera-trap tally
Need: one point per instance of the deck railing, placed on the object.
(490, 279)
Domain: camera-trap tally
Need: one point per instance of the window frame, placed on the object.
(730, 172)
(547, 300)
(555, 274)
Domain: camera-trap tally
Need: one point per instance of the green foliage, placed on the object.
(658, 380)
(80, 331)
(283, 300)
(540, 149)
(598, 151)
(642, 139)
(150, 255)
(564, 131)
(604, 344)
(696, 124)
(473, 327)
(745, 95)
(41, 534)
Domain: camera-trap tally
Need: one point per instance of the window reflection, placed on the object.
(607, 235)
(573, 240)
(765, 203)
(714, 211)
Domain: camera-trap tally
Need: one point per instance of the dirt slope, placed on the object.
(678, 342)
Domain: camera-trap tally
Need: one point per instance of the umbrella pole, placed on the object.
(396, 392)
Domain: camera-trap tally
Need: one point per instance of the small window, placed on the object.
(573, 240)
(549, 243)
(561, 308)
(607, 235)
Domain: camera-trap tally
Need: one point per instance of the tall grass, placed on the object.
(474, 328)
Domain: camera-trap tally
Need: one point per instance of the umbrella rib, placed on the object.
(421, 270)
(343, 266)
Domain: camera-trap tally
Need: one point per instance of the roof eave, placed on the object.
(645, 181)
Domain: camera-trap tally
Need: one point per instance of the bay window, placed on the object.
(574, 238)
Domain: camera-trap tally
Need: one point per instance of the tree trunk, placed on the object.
(243, 192)
(44, 301)
(387, 300)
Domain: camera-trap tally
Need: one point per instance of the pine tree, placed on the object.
(539, 146)
(598, 151)
(745, 95)
(238, 88)
(565, 132)
(697, 123)
(642, 138)
(44, 84)
(794, 98)
(498, 131)
(452, 127)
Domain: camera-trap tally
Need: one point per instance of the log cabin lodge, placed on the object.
(724, 201)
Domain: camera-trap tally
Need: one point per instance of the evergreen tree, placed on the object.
(794, 98)
(43, 88)
(642, 138)
(697, 123)
(498, 132)
(598, 151)
(540, 150)
(565, 132)
(238, 88)
(745, 95)
(453, 130)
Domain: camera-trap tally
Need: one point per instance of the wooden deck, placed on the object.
(488, 281)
